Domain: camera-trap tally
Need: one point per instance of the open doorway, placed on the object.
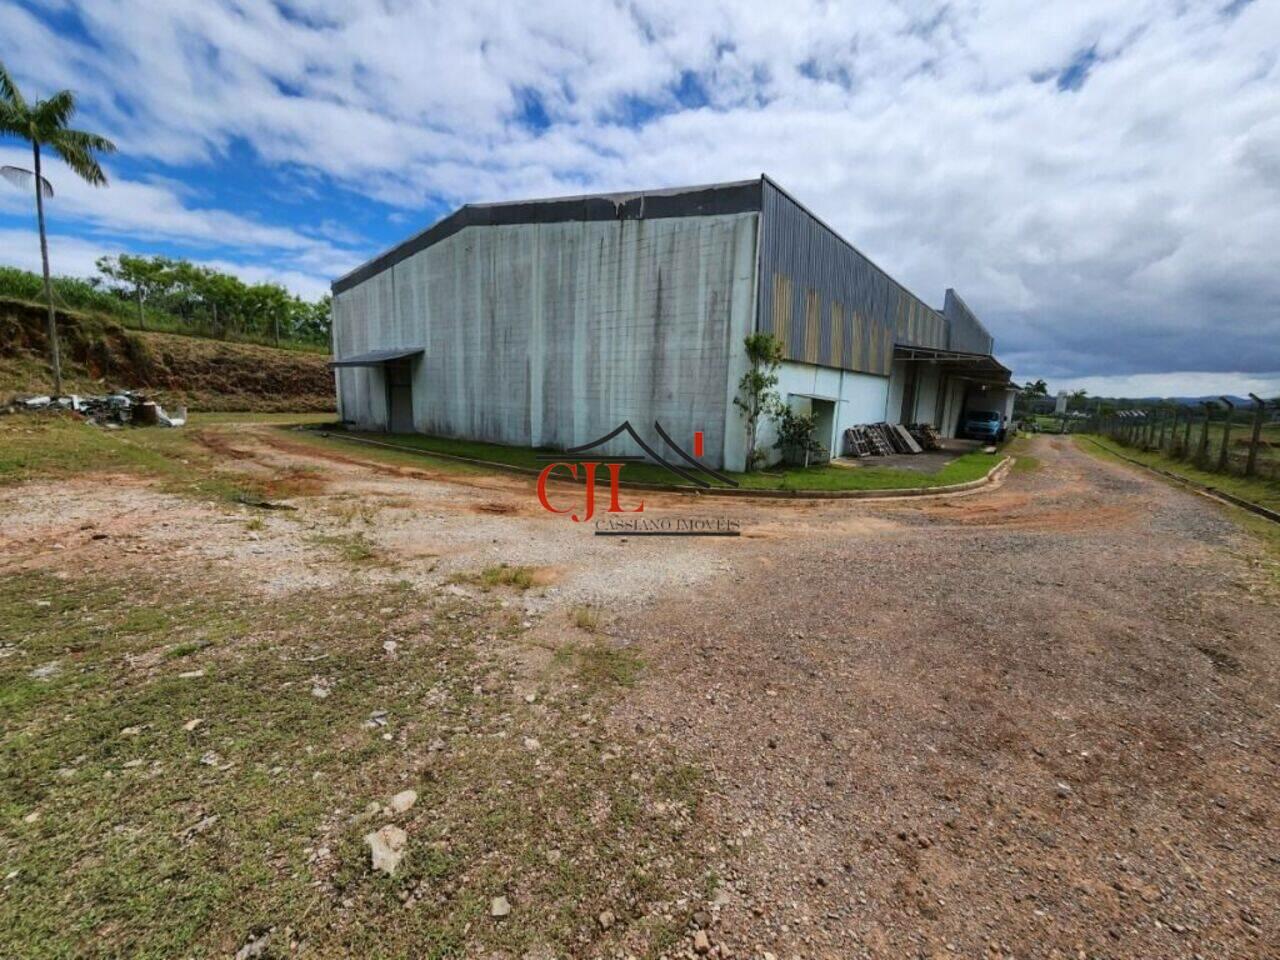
(399, 377)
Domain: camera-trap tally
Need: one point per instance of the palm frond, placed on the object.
(52, 114)
(14, 121)
(83, 140)
(9, 91)
(81, 160)
(22, 177)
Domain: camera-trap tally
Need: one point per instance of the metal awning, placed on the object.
(375, 357)
(979, 367)
(814, 396)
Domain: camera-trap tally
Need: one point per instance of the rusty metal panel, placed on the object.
(836, 331)
(857, 340)
(780, 320)
(812, 313)
(812, 258)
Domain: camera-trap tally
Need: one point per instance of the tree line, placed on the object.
(213, 301)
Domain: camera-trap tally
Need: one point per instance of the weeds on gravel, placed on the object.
(586, 618)
(601, 663)
(353, 548)
(500, 575)
(184, 770)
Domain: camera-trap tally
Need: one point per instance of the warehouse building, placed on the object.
(548, 323)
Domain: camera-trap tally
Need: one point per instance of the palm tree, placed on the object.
(44, 123)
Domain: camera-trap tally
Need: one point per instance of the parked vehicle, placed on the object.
(983, 425)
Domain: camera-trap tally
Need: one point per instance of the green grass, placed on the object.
(150, 840)
(36, 446)
(964, 468)
(1024, 462)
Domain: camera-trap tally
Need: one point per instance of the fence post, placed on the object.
(1202, 455)
(1186, 439)
(1224, 457)
(1258, 411)
(1164, 423)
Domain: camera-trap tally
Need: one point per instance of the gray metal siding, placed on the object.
(826, 301)
(551, 334)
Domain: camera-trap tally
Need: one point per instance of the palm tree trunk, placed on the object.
(54, 354)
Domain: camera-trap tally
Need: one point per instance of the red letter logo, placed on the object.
(614, 470)
(542, 483)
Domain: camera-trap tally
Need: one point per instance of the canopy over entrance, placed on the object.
(376, 357)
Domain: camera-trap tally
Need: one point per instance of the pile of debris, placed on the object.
(884, 439)
(110, 410)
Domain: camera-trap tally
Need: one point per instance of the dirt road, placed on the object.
(1036, 721)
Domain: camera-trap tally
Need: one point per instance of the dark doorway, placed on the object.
(399, 374)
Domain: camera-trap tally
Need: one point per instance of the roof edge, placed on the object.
(737, 196)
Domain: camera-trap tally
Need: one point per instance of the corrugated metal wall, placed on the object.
(552, 334)
(967, 332)
(828, 303)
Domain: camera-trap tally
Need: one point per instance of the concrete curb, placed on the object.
(995, 473)
(1196, 486)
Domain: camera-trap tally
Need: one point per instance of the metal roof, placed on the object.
(375, 357)
(740, 196)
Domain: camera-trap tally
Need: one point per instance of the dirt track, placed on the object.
(1036, 721)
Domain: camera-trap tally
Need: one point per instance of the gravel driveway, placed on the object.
(1037, 722)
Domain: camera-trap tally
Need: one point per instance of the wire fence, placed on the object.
(1220, 437)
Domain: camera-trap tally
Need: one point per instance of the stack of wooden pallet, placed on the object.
(926, 436)
(884, 439)
(900, 438)
(867, 440)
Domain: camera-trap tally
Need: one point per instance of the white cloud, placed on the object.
(1122, 227)
(1175, 384)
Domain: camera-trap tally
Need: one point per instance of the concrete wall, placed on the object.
(955, 390)
(552, 334)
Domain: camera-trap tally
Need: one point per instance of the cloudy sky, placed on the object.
(1100, 179)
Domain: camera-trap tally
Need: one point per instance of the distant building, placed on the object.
(1060, 405)
(547, 323)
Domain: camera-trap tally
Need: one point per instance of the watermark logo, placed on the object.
(586, 470)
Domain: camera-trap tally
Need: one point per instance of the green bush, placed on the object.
(67, 292)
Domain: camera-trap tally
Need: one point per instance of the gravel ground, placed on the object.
(1035, 721)
(1039, 722)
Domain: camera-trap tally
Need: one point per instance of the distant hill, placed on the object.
(1185, 401)
(204, 374)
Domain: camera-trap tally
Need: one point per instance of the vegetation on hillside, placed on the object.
(100, 354)
(177, 296)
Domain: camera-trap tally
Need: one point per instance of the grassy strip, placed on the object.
(965, 468)
(1255, 489)
(185, 771)
(38, 446)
